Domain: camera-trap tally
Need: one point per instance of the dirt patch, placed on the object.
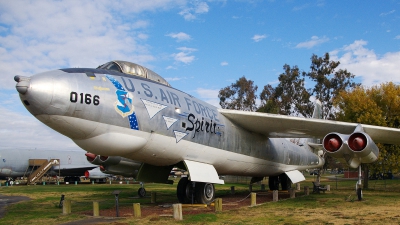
(229, 202)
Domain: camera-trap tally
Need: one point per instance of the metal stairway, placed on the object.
(41, 171)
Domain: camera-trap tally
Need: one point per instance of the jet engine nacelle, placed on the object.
(355, 148)
(95, 174)
(123, 170)
(115, 164)
(94, 159)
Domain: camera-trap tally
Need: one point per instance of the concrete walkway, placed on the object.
(8, 200)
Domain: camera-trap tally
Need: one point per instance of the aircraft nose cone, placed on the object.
(22, 84)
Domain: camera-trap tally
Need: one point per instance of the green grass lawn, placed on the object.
(339, 206)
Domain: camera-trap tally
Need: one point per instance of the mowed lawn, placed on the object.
(339, 206)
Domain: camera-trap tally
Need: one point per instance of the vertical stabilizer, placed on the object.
(317, 114)
(313, 143)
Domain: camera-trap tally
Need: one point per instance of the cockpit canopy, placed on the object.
(133, 69)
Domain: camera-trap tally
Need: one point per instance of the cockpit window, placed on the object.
(110, 66)
(133, 69)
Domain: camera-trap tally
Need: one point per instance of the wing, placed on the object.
(280, 126)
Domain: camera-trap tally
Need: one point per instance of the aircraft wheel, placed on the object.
(359, 194)
(205, 193)
(273, 183)
(141, 192)
(184, 190)
(286, 183)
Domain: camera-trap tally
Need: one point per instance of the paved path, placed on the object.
(8, 200)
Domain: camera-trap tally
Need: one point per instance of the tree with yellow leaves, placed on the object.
(378, 105)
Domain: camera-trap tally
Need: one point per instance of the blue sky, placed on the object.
(198, 46)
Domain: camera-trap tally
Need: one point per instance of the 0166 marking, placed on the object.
(84, 98)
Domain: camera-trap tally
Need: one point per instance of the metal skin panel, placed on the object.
(121, 115)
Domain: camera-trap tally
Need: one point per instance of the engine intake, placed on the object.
(355, 148)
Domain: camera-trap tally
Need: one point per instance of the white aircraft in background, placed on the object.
(71, 164)
(122, 109)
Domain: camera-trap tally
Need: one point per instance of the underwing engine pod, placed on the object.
(355, 148)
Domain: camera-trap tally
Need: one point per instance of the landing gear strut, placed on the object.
(283, 179)
(191, 192)
(141, 190)
(359, 185)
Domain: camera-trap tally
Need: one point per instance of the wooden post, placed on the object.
(153, 197)
(253, 199)
(328, 187)
(67, 207)
(232, 190)
(298, 186)
(177, 211)
(306, 190)
(262, 187)
(136, 210)
(96, 211)
(275, 195)
(218, 204)
(292, 193)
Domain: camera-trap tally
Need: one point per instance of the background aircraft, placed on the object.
(23, 162)
(122, 109)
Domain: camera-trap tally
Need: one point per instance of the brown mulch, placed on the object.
(229, 202)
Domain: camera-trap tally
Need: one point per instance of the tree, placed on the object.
(329, 82)
(290, 97)
(378, 105)
(240, 95)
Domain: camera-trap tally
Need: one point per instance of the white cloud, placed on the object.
(180, 36)
(397, 37)
(184, 55)
(45, 35)
(22, 130)
(315, 40)
(175, 78)
(191, 12)
(224, 63)
(299, 8)
(387, 13)
(258, 37)
(366, 64)
(209, 95)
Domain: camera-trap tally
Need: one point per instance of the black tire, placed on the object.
(359, 194)
(205, 193)
(142, 192)
(285, 181)
(273, 183)
(184, 190)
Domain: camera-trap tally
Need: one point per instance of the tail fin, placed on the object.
(317, 114)
(313, 143)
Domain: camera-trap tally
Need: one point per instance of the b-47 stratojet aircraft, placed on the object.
(122, 109)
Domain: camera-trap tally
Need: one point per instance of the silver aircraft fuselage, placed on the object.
(116, 114)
